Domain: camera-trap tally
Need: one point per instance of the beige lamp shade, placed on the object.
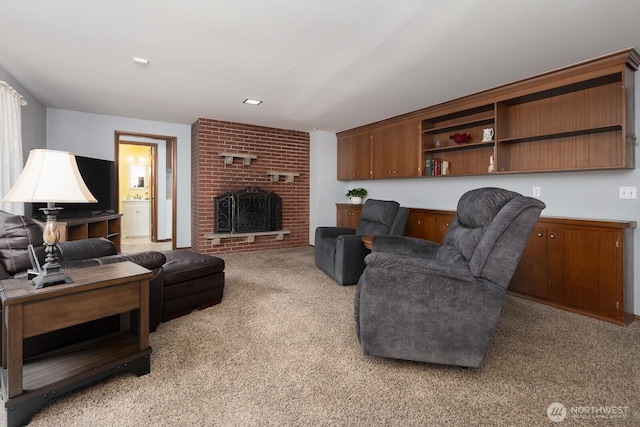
(50, 176)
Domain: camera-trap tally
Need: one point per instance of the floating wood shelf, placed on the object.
(216, 238)
(246, 158)
(288, 176)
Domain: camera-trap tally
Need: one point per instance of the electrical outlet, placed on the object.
(628, 193)
(536, 191)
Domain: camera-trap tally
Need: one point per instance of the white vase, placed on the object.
(355, 200)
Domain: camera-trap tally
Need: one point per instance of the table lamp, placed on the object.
(50, 176)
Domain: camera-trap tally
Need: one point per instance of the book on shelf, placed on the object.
(428, 166)
(434, 166)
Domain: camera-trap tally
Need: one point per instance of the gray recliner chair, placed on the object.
(421, 301)
(340, 251)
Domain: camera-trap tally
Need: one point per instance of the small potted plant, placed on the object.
(355, 195)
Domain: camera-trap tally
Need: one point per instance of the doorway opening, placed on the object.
(146, 187)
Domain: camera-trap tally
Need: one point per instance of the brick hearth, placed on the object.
(274, 150)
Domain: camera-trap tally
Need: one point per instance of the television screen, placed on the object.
(99, 175)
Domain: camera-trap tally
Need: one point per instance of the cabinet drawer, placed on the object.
(57, 313)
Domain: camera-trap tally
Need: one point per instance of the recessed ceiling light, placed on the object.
(140, 60)
(252, 101)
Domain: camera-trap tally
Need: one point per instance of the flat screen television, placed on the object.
(99, 175)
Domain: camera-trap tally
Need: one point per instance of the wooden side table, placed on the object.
(368, 241)
(96, 292)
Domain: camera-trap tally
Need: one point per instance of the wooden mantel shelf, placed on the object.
(246, 158)
(288, 176)
(217, 238)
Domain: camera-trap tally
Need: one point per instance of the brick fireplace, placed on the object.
(227, 157)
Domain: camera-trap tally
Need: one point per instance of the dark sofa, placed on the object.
(200, 277)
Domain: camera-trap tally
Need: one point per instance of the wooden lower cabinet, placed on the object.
(530, 277)
(580, 265)
(584, 266)
(347, 215)
(428, 225)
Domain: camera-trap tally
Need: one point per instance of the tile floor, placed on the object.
(132, 245)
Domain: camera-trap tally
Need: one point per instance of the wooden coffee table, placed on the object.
(96, 292)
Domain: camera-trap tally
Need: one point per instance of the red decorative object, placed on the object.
(460, 138)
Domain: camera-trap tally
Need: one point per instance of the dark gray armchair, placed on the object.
(339, 250)
(418, 300)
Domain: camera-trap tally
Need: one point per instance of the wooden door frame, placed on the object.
(169, 140)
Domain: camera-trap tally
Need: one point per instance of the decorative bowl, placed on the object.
(460, 138)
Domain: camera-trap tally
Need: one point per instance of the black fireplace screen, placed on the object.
(247, 211)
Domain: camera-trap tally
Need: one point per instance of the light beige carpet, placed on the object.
(281, 350)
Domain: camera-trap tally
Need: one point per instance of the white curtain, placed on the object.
(10, 144)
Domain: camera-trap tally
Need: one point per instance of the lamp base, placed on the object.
(50, 275)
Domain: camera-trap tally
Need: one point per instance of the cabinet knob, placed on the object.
(552, 236)
(539, 234)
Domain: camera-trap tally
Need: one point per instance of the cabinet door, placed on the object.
(442, 225)
(420, 225)
(408, 150)
(395, 150)
(354, 156)
(347, 215)
(144, 219)
(136, 220)
(582, 269)
(383, 141)
(530, 277)
(129, 220)
(362, 160)
(345, 158)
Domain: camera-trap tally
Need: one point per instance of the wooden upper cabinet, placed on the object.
(354, 156)
(388, 150)
(581, 117)
(395, 150)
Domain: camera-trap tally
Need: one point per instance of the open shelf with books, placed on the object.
(436, 131)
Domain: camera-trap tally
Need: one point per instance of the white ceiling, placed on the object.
(327, 65)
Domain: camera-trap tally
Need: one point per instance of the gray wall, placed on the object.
(324, 189)
(92, 135)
